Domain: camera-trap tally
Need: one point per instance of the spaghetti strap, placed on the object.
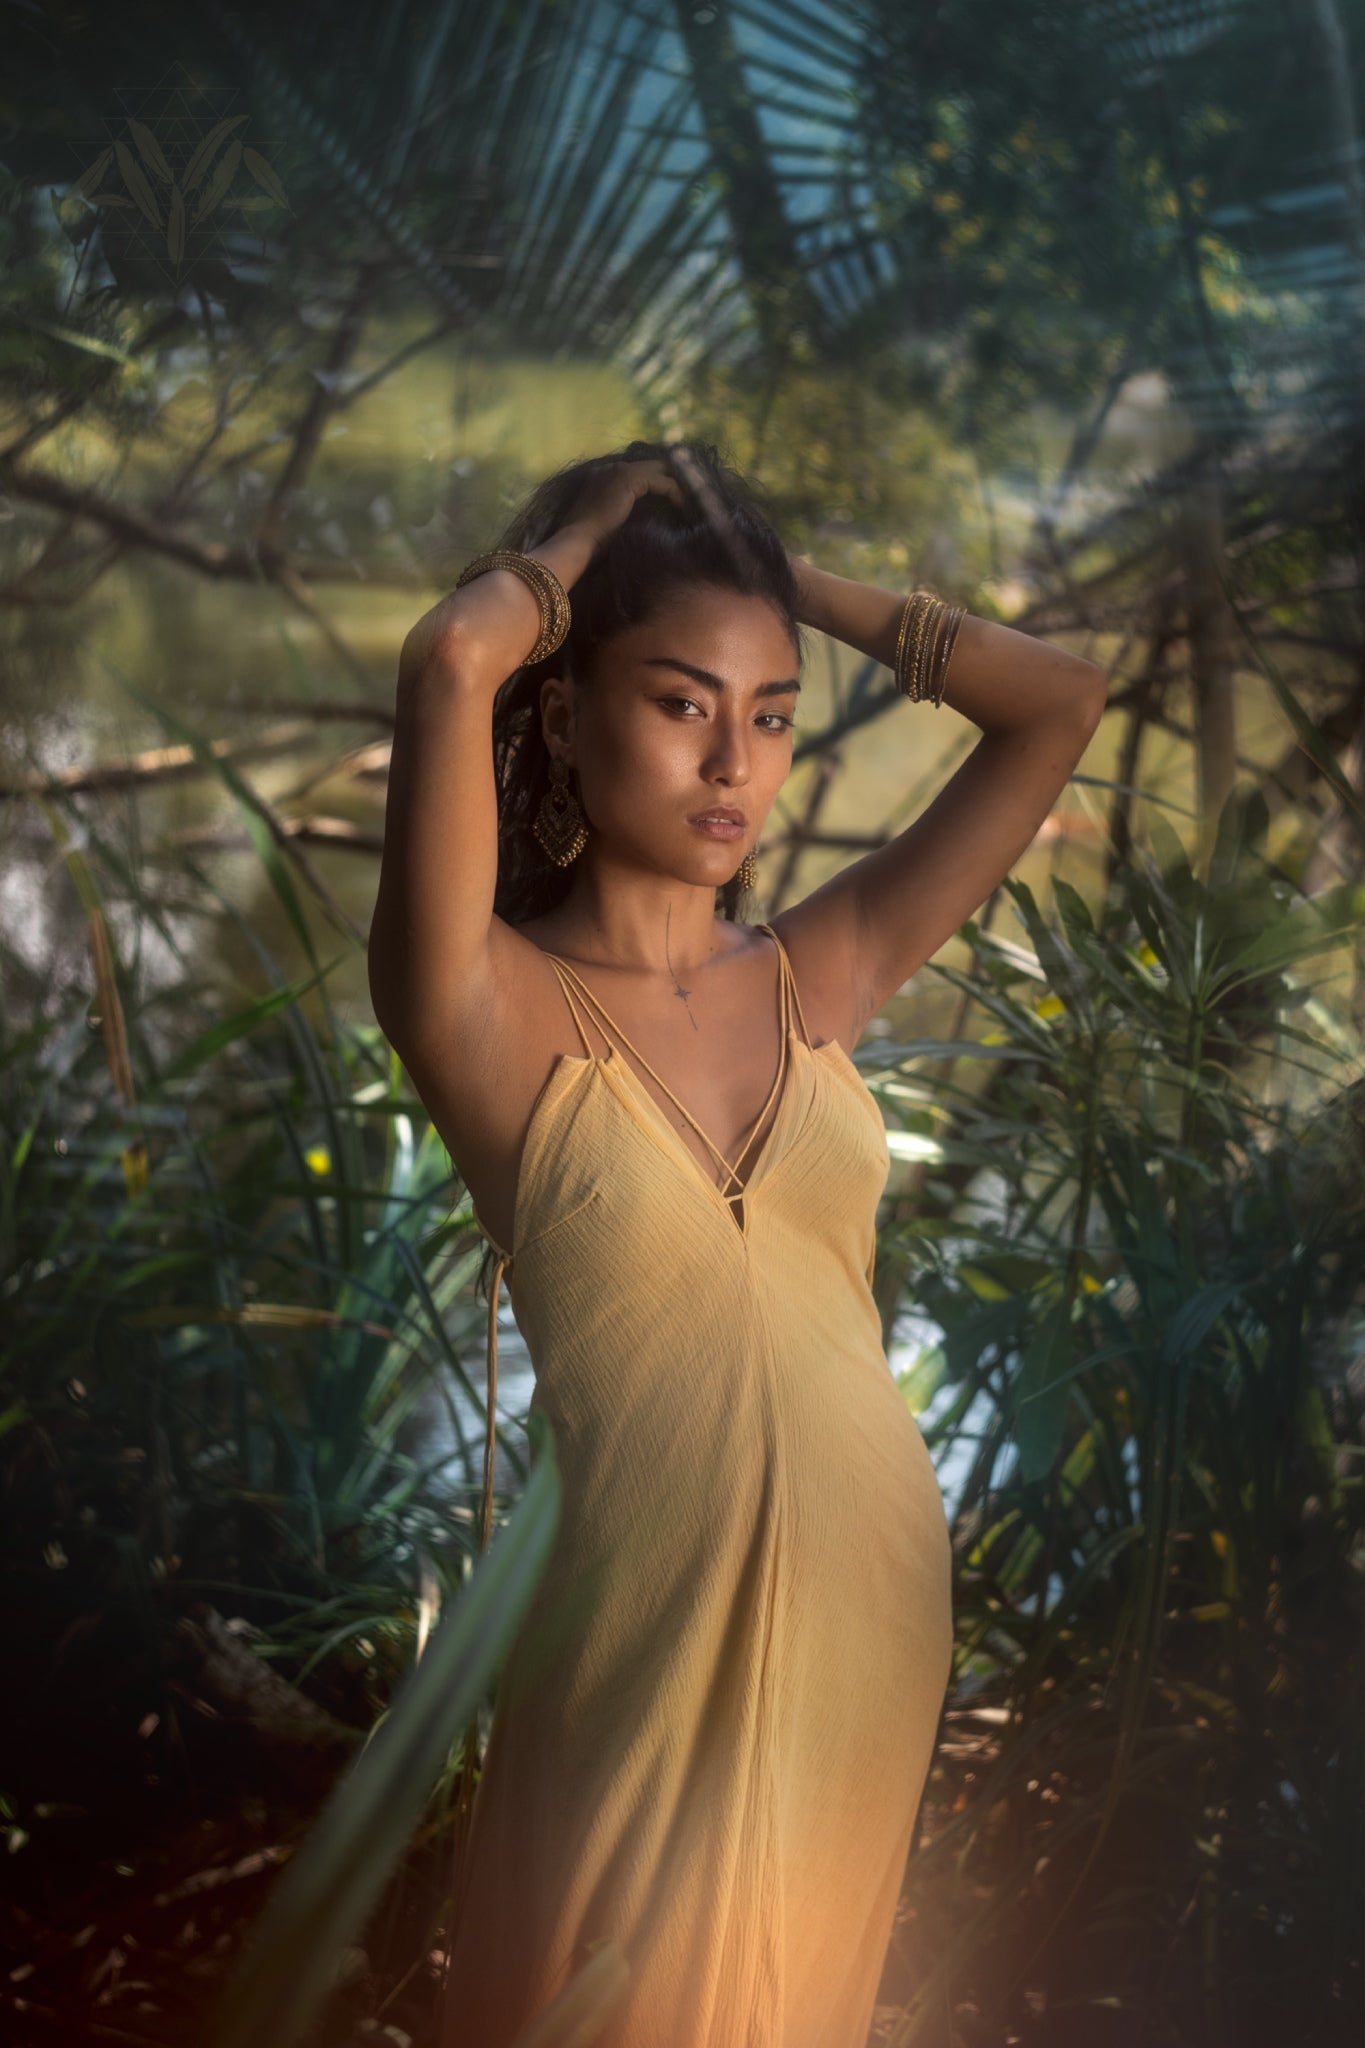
(570, 981)
(790, 979)
(571, 1000)
(784, 984)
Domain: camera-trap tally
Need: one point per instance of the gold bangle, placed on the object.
(924, 644)
(904, 630)
(954, 622)
(908, 642)
(927, 621)
(935, 643)
(549, 592)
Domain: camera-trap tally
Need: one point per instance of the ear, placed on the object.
(556, 707)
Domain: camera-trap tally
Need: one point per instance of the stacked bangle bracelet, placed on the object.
(928, 631)
(550, 594)
(924, 644)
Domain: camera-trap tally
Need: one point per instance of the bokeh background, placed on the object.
(1056, 309)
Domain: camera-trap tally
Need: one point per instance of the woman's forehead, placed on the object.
(724, 631)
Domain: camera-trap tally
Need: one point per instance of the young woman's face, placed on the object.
(655, 743)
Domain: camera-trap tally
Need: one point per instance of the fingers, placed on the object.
(654, 476)
(664, 480)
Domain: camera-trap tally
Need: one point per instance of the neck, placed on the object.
(670, 933)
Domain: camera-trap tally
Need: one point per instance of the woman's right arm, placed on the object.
(431, 939)
(439, 959)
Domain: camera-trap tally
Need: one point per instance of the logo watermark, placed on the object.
(178, 183)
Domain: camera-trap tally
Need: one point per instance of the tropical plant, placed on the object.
(235, 1269)
(1146, 1269)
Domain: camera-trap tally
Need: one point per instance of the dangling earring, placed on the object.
(559, 823)
(748, 870)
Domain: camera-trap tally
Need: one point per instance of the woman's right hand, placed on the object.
(494, 618)
(609, 495)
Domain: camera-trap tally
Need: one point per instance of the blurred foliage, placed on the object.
(228, 1294)
(1153, 1290)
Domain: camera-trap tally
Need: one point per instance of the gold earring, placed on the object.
(559, 823)
(748, 870)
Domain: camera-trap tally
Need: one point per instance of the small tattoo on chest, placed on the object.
(678, 989)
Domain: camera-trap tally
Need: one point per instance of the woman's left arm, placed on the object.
(1037, 707)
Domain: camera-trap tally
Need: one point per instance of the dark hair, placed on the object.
(724, 539)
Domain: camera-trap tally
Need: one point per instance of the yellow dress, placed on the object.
(713, 1729)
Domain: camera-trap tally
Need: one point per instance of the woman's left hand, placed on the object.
(804, 571)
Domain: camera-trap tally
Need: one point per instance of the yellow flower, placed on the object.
(1049, 1006)
(1147, 956)
(319, 1160)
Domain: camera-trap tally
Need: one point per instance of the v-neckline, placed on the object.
(590, 1064)
(612, 1062)
(774, 1102)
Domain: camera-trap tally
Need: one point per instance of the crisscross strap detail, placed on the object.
(786, 995)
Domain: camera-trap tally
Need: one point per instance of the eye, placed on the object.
(779, 723)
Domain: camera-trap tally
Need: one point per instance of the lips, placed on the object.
(726, 813)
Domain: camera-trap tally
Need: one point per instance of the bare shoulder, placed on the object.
(822, 944)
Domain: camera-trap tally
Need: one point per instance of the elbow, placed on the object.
(1092, 692)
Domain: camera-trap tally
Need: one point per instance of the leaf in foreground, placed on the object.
(323, 1898)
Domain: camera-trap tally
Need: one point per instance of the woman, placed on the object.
(711, 1737)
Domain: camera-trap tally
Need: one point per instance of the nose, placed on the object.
(728, 756)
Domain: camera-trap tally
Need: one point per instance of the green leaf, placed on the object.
(921, 1381)
(334, 1880)
(1171, 857)
(1073, 909)
(227, 1029)
(1041, 1394)
(1317, 924)
(1242, 826)
(1193, 1320)
(257, 830)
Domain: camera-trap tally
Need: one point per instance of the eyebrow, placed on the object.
(710, 682)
